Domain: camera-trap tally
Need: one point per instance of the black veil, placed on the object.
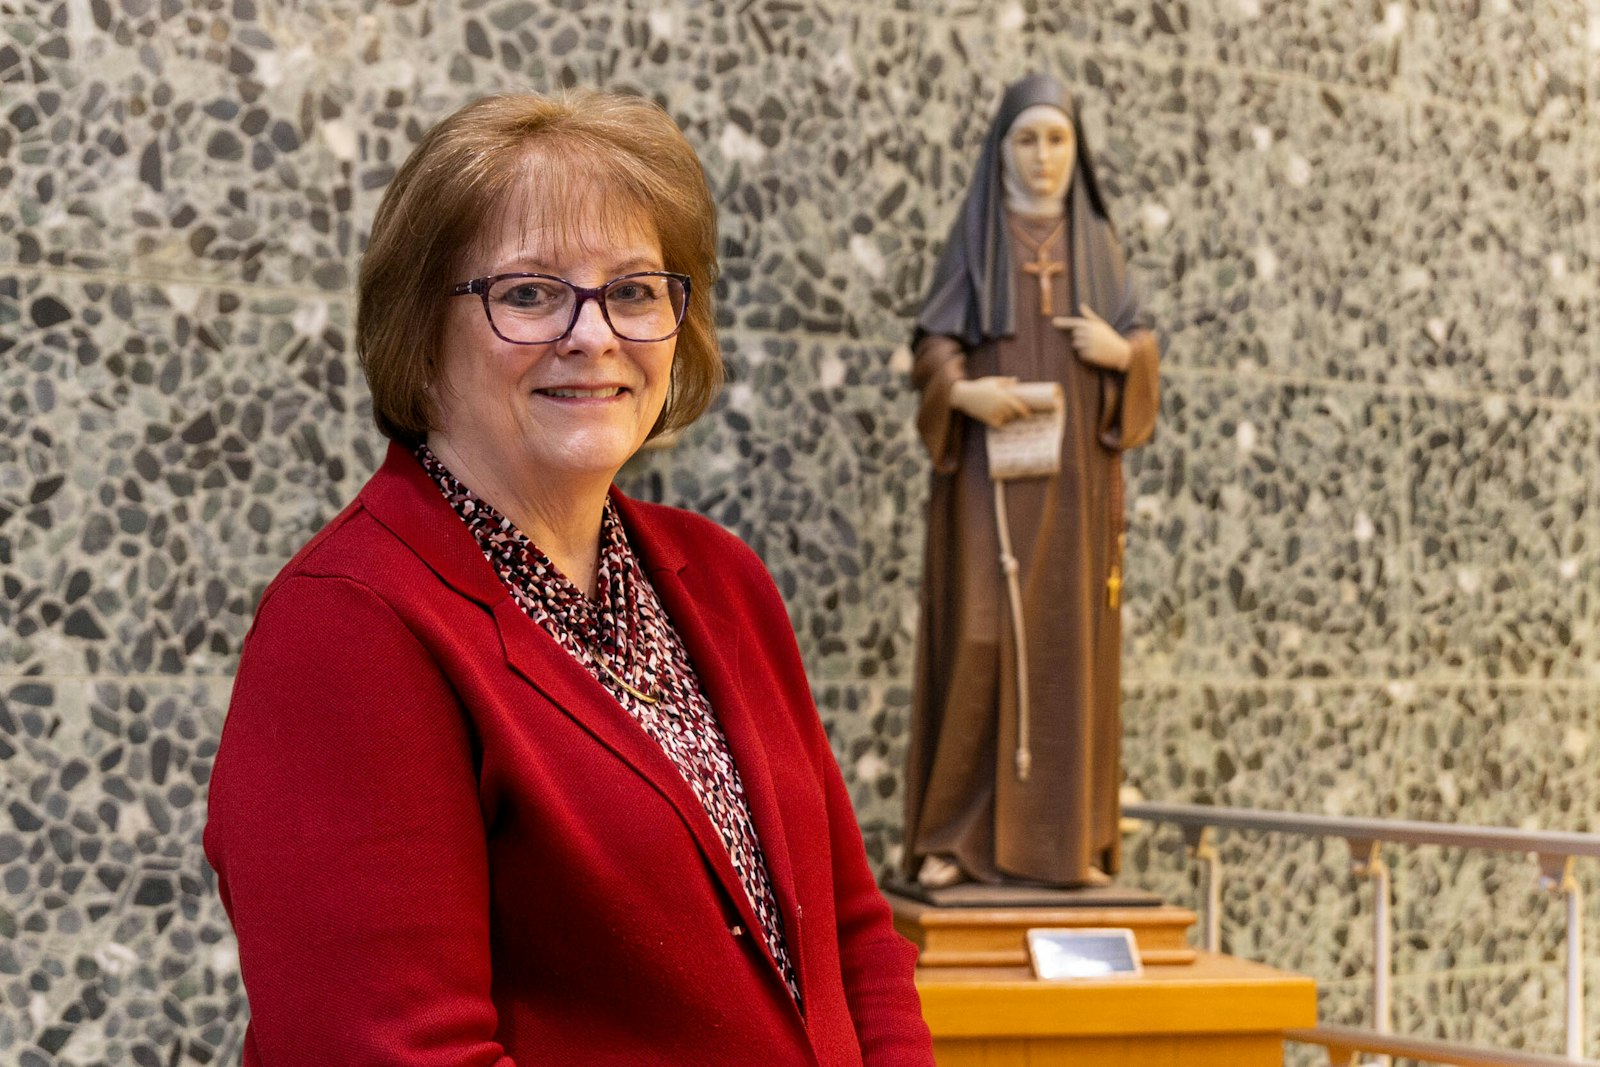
(970, 297)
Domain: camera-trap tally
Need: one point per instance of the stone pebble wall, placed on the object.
(1364, 552)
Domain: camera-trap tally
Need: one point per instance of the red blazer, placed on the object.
(442, 842)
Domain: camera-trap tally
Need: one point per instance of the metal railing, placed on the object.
(1366, 838)
(1346, 1043)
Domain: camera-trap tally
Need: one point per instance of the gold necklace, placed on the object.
(653, 697)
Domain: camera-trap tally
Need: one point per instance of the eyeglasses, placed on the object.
(535, 309)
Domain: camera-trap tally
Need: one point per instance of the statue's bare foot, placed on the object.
(937, 873)
(1094, 877)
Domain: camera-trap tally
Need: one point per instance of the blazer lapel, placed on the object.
(536, 656)
(713, 636)
(409, 505)
(405, 500)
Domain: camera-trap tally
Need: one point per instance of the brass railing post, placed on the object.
(1366, 861)
(1555, 875)
(1202, 845)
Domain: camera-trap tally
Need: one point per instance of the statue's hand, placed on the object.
(989, 400)
(1095, 340)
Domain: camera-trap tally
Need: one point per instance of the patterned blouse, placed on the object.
(626, 642)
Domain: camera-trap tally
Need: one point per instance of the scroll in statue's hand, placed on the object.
(992, 400)
(1095, 340)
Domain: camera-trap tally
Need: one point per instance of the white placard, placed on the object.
(1064, 954)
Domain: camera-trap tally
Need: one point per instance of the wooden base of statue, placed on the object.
(975, 925)
(986, 1009)
(1214, 1012)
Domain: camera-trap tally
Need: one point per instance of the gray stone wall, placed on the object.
(1364, 552)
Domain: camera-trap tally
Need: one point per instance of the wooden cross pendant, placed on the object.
(1045, 269)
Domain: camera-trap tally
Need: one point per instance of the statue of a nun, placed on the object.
(1031, 324)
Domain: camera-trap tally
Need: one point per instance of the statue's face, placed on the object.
(1040, 148)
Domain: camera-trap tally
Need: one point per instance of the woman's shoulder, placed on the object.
(672, 537)
(354, 549)
(674, 527)
(351, 545)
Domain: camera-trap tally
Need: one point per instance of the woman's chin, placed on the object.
(595, 455)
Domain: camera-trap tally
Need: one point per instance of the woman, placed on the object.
(1031, 288)
(518, 770)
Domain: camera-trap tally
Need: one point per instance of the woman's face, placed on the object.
(578, 406)
(1041, 146)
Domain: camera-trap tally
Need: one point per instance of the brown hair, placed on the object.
(583, 148)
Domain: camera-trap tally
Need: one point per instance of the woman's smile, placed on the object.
(581, 393)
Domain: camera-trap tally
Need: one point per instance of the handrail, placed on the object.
(1346, 1040)
(1396, 831)
(1554, 851)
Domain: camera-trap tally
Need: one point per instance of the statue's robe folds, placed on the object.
(964, 801)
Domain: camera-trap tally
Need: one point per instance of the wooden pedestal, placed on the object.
(1215, 1012)
(997, 937)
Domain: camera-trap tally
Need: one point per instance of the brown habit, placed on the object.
(964, 801)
